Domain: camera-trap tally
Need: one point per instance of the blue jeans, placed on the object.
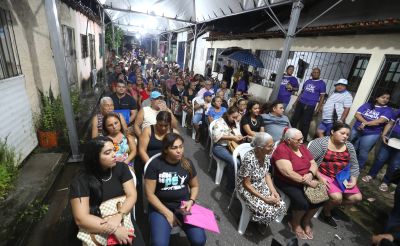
(386, 153)
(223, 153)
(160, 230)
(363, 145)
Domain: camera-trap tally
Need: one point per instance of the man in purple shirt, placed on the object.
(313, 93)
(288, 85)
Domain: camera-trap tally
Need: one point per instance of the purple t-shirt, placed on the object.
(242, 86)
(396, 129)
(312, 89)
(373, 114)
(284, 94)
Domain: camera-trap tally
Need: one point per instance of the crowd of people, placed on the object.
(139, 119)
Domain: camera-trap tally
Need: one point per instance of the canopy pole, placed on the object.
(59, 61)
(103, 41)
(169, 46)
(294, 18)
(194, 47)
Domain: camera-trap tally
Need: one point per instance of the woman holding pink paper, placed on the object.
(171, 188)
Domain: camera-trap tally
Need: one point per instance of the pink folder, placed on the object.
(202, 217)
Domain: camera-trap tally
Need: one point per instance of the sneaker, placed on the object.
(328, 219)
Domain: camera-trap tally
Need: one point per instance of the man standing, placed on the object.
(228, 73)
(313, 93)
(123, 101)
(288, 85)
(336, 108)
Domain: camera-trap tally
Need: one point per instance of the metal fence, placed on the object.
(333, 66)
(9, 58)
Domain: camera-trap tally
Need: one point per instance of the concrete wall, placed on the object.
(201, 53)
(376, 45)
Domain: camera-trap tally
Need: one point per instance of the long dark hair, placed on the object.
(250, 105)
(112, 114)
(379, 94)
(167, 142)
(230, 111)
(339, 125)
(164, 116)
(94, 172)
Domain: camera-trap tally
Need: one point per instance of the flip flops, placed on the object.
(299, 234)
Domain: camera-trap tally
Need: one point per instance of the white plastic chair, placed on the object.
(246, 214)
(184, 114)
(135, 183)
(320, 209)
(145, 202)
(220, 163)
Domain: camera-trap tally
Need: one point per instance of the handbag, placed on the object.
(393, 141)
(108, 209)
(232, 146)
(316, 195)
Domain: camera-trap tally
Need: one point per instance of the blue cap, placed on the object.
(155, 95)
(207, 94)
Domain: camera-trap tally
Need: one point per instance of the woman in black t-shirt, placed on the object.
(170, 180)
(252, 121)
(104, 178)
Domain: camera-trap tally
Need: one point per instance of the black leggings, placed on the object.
(298, 200)
(302, 115)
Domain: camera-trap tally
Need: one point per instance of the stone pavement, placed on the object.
(57, 227)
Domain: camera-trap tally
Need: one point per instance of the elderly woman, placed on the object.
(254, 183)
(296, 168)
(106, 106)
(226, 129)
(333, 154)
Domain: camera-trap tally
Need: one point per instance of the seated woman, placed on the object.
(103, 178)
(106, 106)
(216, 110)
(387, 153)
(171, 186)
(188, 97)
(201, 106)
(226, 129)
(242, 106)
(125, 145)
(252, 121)
(274, 119)
(332, 154)
(150, 142)
(177, 91)
(254, 183)
(296, 168)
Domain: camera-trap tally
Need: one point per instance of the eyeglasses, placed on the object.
(299, 140)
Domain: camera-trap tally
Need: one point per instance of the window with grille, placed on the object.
(357, 71)
(84, 46)
(101, 48)
(9, 58)
(389, 80)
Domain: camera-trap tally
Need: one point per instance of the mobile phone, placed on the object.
(112, 240)
(345, 183)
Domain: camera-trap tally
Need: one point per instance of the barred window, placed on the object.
(84, 46)
(9, 58)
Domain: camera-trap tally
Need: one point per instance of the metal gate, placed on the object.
(70, 54)
(92, 48)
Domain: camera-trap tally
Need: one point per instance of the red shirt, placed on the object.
(144, 95)
(301, 165)
(334, 162)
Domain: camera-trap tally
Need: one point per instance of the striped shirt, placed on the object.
(337, 101)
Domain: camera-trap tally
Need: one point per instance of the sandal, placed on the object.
(367, 178)
(384, 187)
(299, 234)
(309, 234)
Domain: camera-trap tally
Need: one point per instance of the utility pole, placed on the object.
(294, 19)
(59, 61)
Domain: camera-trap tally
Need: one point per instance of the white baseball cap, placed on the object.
(342, 81)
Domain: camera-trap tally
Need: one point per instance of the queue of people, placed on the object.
(279, 160)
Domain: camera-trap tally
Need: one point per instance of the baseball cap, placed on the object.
(207, 94)
(342, 81)
(155, 95)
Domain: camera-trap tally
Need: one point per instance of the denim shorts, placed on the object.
(326, 127)
(197, 118)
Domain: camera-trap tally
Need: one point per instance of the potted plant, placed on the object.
(47, 121)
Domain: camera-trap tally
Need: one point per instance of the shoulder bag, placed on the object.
(108, 209)
(316, 195)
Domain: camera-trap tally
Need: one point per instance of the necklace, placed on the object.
(105, 180)
(254, 123)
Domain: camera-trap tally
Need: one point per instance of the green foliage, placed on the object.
(9, 160)
(33, 212)
(118, 34)
(52, 111)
